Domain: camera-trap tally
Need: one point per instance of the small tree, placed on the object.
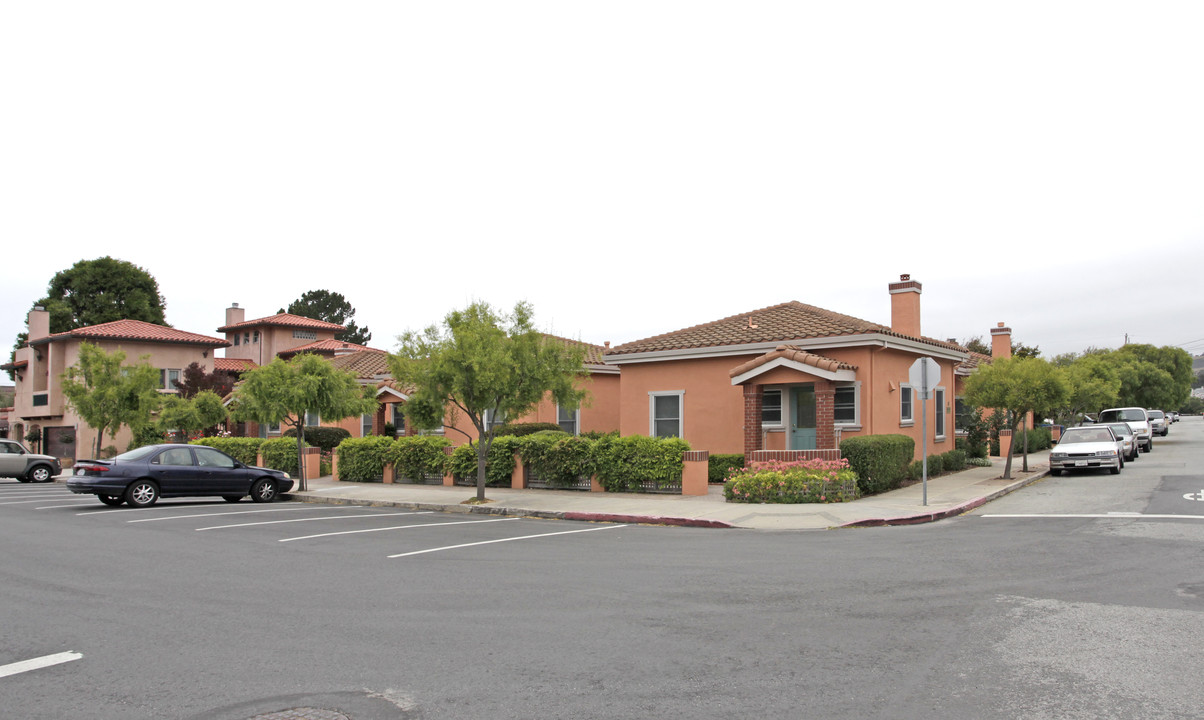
(107, 395)
(1093, 383)
(1016, 386)
(189, 415)
(284, 391)
(195, 380)
(485, 366)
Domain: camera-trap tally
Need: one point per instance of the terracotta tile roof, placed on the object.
(971, 363)
(236, 365)
(791, 321)
(15, 365)
(284, 320)
(337, 347)
(394, 385)
(795, 354)
(134, 330)
(365, 364)
(593, 353)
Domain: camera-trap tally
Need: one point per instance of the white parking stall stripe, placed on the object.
(75, 503)
(1105, 516)
(29, 502)
(502, 540)
(324, 517)
(398, 527)
(38, 663)
(235, 512)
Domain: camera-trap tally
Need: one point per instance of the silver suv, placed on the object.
(1136, 418)
(17, 462)
(1159, 424)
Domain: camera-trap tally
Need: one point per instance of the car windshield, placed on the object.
(1156, 414)
(1129, 415)
(136, 453)
(1086, 435)
(1121, 429)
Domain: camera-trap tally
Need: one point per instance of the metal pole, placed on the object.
(924, 425)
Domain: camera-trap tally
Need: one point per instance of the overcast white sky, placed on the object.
(630, 168)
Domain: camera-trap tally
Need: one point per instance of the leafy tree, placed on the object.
(1016, 386)
(978, 345)
(483, 363)
(1198, 380)
(1093, 383)
(190, 415)
(107, 395)
(284, 391)
(194, 380)
(1154, 377)
(97, 291)
(331, 307)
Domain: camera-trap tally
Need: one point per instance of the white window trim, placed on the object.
(781, 409)
(908, 421)
(317, 419)
(371, 422)
(939, 412)
(856, 423)
(576, 419)
(681, 410)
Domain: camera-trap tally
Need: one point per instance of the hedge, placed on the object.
(523, 429)
(280, 454)
(936, 466)
(327, 438)
(720, 467)
(499, 465)
(558, 458)
(243, 449)
(417, 456)
(880, 461)
(800, 481)
(623, 464)
(363, 459)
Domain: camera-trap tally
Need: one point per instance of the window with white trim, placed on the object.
(168, 378)
(494, 419)
(938, 413)
(665, 413)
(312, 419)
(771, 408)
(366, 425)
(568, 420)
(399, 419)
(846, 408)
(907, 415)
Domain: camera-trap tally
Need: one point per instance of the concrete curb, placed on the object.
(949, 512)
(646, 520)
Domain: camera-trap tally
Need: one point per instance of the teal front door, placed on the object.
(802, 417)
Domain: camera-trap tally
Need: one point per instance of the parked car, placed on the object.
(17, 462)
(1173, 415)
(1128, 440)
(1158, 423)
(1137, 419)
(143, 475)
(1086, 448)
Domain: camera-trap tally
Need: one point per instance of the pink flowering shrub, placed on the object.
(799, 481)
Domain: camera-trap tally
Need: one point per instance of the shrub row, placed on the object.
(364, 459)
(881, 462)
(720, 467)
(952, 461)
(802, 481)
(327, 438)
(278, 453)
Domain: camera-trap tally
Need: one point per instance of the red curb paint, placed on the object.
(644, 520)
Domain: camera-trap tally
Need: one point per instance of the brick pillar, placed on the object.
(694, 480)
(448, 479)
(518, 477)
(825, 415)
(752, 420)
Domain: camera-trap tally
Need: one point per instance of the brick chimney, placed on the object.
(39, 323)
(235, 315)
(905, 306)
(1001, 341)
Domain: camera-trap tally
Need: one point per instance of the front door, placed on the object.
(802, 417)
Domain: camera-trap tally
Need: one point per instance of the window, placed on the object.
(906, 411)
(255, 337)
(237, 338)
(399, 419)
(273, 428)
(312, 419)
(494, 419)
(665, 411)
(168, 378)
(938, 411)
(208, 457)
(246, 338)
(178, 457)
(845, 405)
(569, 420)
(771, 407)
(305, 335)
(365, 425)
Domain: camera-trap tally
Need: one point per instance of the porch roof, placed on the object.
(796, 358)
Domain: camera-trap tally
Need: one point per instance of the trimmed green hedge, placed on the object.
(499, 465)
(720, 467)
(558, 458)
(880, 461)
(523, 429)
(417, 456)
(327, 438)
(364, 459)
(244, 450)
(622, 464)
(280, 454)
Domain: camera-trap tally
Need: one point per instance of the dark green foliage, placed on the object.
(244, 450)
(280, 454)
(954, 461)
(977, 431)
(622, 464)
(418, 456)
(719, 467)
(558, 458)
(331, 307)
(936, 465)
(1038, 439)
(364, 459)
(880, 461)
(522, 429)
(499, 464)
(327, 438)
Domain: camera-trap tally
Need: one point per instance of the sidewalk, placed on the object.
(948, 495)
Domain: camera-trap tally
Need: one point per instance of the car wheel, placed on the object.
(1122, 463)
(1055, 473)
(1149, 447)
(41, 473)
(23, 479)
(263, 490)
(143, 493)
(1133, 455)
(231, 498)
(1114, 471)
(111, 500)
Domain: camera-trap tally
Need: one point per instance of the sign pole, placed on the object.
(924, 426)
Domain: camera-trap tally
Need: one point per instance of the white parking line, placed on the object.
(43, 498)
(38, 663)
(77, 503)
(324, 517)
(1111, 515)
(502, 540)
(398, 527)
(222, 514)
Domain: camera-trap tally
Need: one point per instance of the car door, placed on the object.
(176, 472)
(12, 461)
(220, 474)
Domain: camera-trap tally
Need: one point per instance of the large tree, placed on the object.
(1016, 387)
(1093, 383)
(107, 394)
(978, 345)
(283, 391)
(188, 415)
(1154, 377)
(331, 307)
(484, 365)
(97, 291)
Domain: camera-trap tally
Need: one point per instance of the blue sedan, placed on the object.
(143, 475)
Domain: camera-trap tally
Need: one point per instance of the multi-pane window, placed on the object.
(305, 335)
(567, 419)
(666, 412)
(312, 419)
(845, 405)
(399, 420)
(906, 410)
(366, 425)
(771, 407)
(938, 412)
(168, 378)
(494, 419)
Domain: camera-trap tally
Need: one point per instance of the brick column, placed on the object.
(752, 420)
(825, 415)
(695, 464)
